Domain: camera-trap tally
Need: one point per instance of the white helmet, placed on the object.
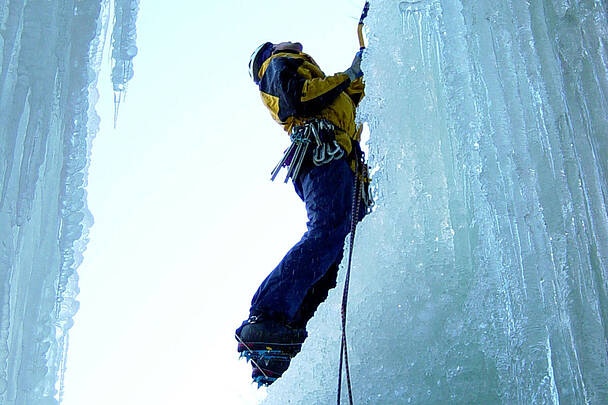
(258, 57)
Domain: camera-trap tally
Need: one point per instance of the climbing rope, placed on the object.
(353, 227)
(359, 187)
(357, 190)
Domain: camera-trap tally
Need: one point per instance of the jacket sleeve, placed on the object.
(318, 93)
(298, 95)
(356, 90)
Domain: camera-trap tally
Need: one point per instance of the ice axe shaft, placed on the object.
(360, 26)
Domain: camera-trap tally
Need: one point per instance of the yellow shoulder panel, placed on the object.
(272, 102)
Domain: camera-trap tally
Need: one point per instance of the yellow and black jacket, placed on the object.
(294, 89)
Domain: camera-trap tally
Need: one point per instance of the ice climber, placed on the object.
(318, 112)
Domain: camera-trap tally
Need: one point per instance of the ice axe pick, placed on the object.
(360, 26)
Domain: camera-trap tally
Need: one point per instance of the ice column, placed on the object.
(482, 275)
(50, 55)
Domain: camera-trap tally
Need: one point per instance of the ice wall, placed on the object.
(50, 56)
(482, 275)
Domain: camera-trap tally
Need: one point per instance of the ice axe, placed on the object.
(360, 27)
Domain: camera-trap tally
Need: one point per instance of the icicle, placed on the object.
(117, 100)
(124, 48)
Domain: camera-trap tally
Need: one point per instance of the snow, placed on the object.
(51, 53)
(482, 275)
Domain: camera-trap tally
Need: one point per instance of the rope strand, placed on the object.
(343, 345)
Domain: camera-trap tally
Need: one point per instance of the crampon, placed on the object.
(268, 360)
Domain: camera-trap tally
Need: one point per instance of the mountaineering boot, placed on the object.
(269, 345)
(268, 367)
(260, 330)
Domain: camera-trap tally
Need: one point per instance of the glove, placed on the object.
(354, 71)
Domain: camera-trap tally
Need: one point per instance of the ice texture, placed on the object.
(482, 275)
(50, 57)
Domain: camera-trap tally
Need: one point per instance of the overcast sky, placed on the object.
(187, 223)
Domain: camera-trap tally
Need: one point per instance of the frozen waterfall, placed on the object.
(50, 55)
(482, 275)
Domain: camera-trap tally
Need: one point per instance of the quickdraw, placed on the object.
(302, 136)
(364, 180)
(325, 152)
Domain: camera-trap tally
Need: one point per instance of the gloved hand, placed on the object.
(354, 71)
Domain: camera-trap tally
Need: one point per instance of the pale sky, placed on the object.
(187, 222)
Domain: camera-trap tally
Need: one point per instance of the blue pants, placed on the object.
(294, 289)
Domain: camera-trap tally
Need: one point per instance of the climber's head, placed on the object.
(288, 47)
(264, 51)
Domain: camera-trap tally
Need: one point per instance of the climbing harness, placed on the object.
(302, 137)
